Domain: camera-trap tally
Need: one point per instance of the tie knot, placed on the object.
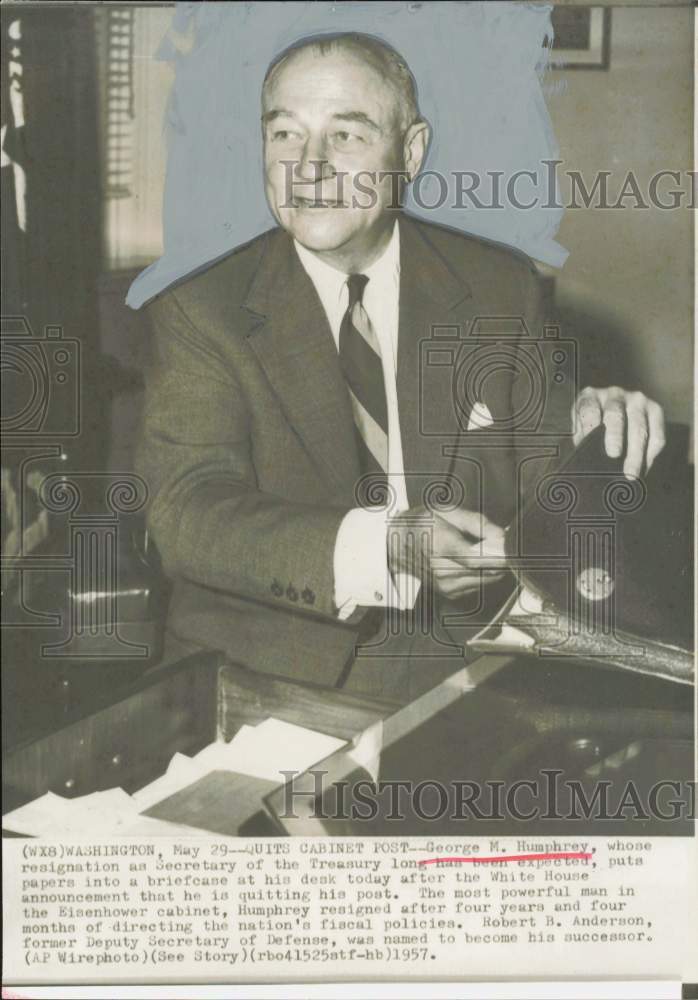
(356, 284)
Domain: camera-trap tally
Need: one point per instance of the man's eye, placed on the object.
(283, 135)
(345, 138)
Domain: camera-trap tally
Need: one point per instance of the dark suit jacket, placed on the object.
(248, 444)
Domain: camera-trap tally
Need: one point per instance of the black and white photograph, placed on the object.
(348, 495)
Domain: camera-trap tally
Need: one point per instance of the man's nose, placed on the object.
(314, 164)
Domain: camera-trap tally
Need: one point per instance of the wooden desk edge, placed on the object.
(248, 697)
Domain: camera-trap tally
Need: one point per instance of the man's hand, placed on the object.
(628, 417)
(459, 549)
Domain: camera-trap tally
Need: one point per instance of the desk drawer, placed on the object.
(126, 744)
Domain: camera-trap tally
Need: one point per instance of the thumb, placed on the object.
(468, 521)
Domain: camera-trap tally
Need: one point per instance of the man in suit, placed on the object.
(289, 386)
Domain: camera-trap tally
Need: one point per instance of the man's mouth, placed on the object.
(301, 202)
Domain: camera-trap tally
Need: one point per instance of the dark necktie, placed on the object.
(360, 359)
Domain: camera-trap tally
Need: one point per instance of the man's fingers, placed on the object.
(453, 587)
(451, 545)
(657, 439)
(614, 415)
(492, 545)
(587, 414)
(457, 554)
(488, 554)
(634, 425)
(467, 521)
(446, 563)
(638, 434)
(441, 572)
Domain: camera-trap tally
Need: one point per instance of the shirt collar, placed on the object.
(388, 264)
(327, 277)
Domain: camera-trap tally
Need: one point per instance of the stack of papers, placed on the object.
(261, 752)
(109, 813)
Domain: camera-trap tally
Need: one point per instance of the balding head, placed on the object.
(385, 61)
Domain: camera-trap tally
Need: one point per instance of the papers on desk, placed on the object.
(272, 747)
(260, 752)
(108, 813)
(220, 802)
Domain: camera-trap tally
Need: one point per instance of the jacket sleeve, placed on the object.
(545, 384)
(211, 523)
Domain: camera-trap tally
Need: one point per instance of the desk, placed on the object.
(126, 727)
(522, 714)
(506, 721)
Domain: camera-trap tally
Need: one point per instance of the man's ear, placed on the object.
(415, 145)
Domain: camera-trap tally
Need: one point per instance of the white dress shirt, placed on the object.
(361, 571)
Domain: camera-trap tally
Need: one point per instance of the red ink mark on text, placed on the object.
(510, 857)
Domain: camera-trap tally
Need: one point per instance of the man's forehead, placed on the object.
(332, 79)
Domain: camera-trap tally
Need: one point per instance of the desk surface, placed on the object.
(125, 733)
(119, 726)
(502, 721)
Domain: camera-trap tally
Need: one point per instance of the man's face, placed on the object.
(335, 109)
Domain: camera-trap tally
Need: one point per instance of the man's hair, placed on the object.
(383, 58)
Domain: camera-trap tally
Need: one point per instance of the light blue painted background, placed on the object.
(477, 67)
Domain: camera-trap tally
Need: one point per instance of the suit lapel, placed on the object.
(431, 296)
(294, 345)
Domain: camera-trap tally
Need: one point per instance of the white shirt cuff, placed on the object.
(361, 574)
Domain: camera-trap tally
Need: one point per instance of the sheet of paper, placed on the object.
(53, 815)
(38, 818)
(259, 752)
(366, 751)
(180, 772)
(273, 746)
(220, 802)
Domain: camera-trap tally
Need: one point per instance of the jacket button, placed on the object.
(308, 596)
(291, 592)
(276, 589)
